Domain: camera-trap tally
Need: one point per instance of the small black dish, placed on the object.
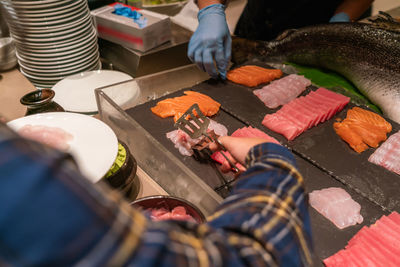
(40, 101)
(122, 176)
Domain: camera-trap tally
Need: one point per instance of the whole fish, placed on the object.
(367, 54)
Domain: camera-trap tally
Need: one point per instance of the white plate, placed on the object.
(50, 12)
(76, 93)
(94, 146)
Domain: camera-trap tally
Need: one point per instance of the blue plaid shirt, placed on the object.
(51, 216)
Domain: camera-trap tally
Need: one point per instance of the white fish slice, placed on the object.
(336, 204)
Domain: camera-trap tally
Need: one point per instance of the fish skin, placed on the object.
(367, 54)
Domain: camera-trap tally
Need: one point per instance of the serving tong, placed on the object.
(195, 124)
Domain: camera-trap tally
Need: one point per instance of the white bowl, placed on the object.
(7, 48)
(6, 65)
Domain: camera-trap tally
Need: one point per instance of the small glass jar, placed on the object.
(40, 101)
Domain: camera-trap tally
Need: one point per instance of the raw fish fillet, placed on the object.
(337, 206)
(305, 112)
(362, 128)
(388, 154)
(176, 106)
(51, 136)
(251, 75)
(253, 132)
(376, 245)
(282, 91)
(178, 213)
(184, 143)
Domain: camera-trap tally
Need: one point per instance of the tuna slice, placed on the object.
(184, 143)
(303, 113)
(178, 105)
(362, 128)
(282, 91)
(336, 205)
(51, 136)
(388, 154)
(251, 75)
(376, 245)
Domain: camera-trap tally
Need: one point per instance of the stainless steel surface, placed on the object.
(4, 31)
(159, 163)
(167, 56)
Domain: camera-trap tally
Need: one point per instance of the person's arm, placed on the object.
(267, 208)
(210, 45)
(51, 215)
(351, 10)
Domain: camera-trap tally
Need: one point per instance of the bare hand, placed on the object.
(238, 147)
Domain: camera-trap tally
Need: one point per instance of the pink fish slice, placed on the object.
(195, 124)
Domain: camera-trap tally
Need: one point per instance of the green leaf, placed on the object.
(335, 82)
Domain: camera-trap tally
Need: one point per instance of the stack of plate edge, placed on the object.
(54, 38)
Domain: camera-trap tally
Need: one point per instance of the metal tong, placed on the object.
(195, 124)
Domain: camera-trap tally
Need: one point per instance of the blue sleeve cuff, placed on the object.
(340, 17)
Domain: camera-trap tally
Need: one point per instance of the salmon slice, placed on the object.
(251, 75)
(362, 128)
(347, 134)
(370, 117)
(176, 106)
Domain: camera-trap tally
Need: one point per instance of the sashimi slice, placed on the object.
(336, 205)
(51, 136)
(343, 99)
(388, 154)
(177, 106)
(395, 217)
(252, 75)
(362, 128)
(302, 119)
(282, 125)
(349, 136)
(253, 132)
(370, 134)
(312, 117)
(377, 245)
(369, 117)
(184, 143)
(282, 91)
(317, 112)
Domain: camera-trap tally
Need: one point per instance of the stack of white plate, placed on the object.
(54, 38)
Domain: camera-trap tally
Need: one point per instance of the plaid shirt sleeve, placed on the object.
(51, 215)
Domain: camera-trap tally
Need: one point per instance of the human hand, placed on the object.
(211, 41)
(238, 147)
(340, 17)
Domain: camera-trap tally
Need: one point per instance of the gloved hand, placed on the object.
(211, 41)
(340, 17)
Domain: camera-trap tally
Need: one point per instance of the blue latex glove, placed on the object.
(211, 41)
(340, 17)
(129, 13)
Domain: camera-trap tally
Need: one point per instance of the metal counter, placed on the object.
(165, 57)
